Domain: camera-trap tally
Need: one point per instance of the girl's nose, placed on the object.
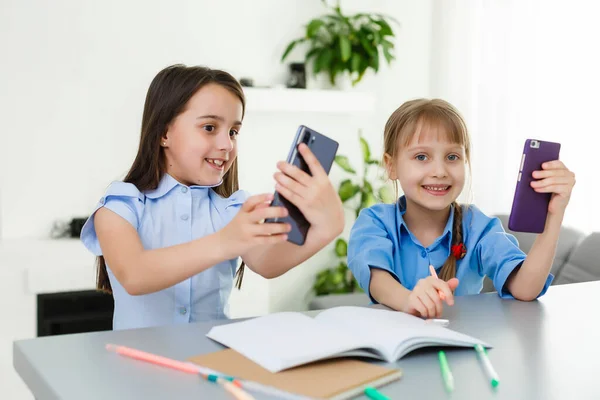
(439, 170)
(224, 141)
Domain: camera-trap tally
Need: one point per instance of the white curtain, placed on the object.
(521, 69)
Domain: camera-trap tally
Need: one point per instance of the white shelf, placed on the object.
(308, 100)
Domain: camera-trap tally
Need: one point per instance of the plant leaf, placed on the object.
(386, 29)
(365, 149)
(386, 195)
(355, 62)
(311, 53)
(313, 27)
(389, 18)
(361, 72)
(347, 190)
(389, 57)
(387, 43)
(376, 37)
(345, 48)
(337, 277)
(367, 45)
(322, 61)
(374, 162)
(368, 201)
(367, 187)
(344, 163)
(337, 66)
(341, 248)
(289, 48)
(386, 46)
(375, 62)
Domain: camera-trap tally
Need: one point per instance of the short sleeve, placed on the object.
(227, 207)
(122, 198)
(499, 254)
(370, 246)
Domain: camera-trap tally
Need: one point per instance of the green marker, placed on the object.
(374, 394)
(446, 373)
(487, 365)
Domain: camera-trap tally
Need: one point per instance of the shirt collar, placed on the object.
(167, 183)
(401, 209)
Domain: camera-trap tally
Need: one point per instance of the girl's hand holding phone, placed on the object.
(247, 229)
(314, 195)
(555, 178)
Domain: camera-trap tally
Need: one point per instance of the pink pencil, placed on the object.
(432, 271)
(232, 387)
(153, 358)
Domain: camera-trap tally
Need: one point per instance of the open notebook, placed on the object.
(288, 339)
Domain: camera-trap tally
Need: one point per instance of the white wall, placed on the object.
(409, 77)
(518, 70)
(79, 72)
(73, 78)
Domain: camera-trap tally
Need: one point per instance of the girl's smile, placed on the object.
(437, 189)
(216, 163)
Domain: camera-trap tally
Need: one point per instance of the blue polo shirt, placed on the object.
(381, 239)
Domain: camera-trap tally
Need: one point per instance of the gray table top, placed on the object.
(545, 349)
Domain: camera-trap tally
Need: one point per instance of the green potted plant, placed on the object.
(359, 191)
(341, 44)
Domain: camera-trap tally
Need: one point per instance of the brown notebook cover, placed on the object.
(337, 379)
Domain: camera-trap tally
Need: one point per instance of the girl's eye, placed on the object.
(421, 157)
(453, 157)
(233, 132)
(209, 128)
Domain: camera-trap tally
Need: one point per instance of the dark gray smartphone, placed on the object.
(530, 208)
(324, 150)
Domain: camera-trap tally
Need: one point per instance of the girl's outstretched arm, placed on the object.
(142, 271)
(317, 199)
(274, 260)
(423, 301)
(526, 283)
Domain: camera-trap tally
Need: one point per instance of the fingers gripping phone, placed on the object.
(324, 150)
(530, 208)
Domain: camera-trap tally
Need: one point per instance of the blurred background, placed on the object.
(74, 75)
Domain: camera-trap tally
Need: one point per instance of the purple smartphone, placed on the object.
(530, 208)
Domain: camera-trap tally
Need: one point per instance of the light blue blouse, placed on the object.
(380, 239)
(169, 215)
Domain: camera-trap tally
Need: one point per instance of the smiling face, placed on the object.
(430, 169)
(427, 150)
(200, 144)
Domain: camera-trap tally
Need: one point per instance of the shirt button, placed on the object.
(185, 217)
(184, 189)
(423, 253)
(182, 310)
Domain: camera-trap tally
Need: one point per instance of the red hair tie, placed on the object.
(458, 251)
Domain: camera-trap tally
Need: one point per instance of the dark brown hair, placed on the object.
(399, 132)
(167, 97)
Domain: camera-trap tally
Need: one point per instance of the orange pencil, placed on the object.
(432, 271)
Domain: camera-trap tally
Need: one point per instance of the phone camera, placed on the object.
(306, 138)
(534, 144)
